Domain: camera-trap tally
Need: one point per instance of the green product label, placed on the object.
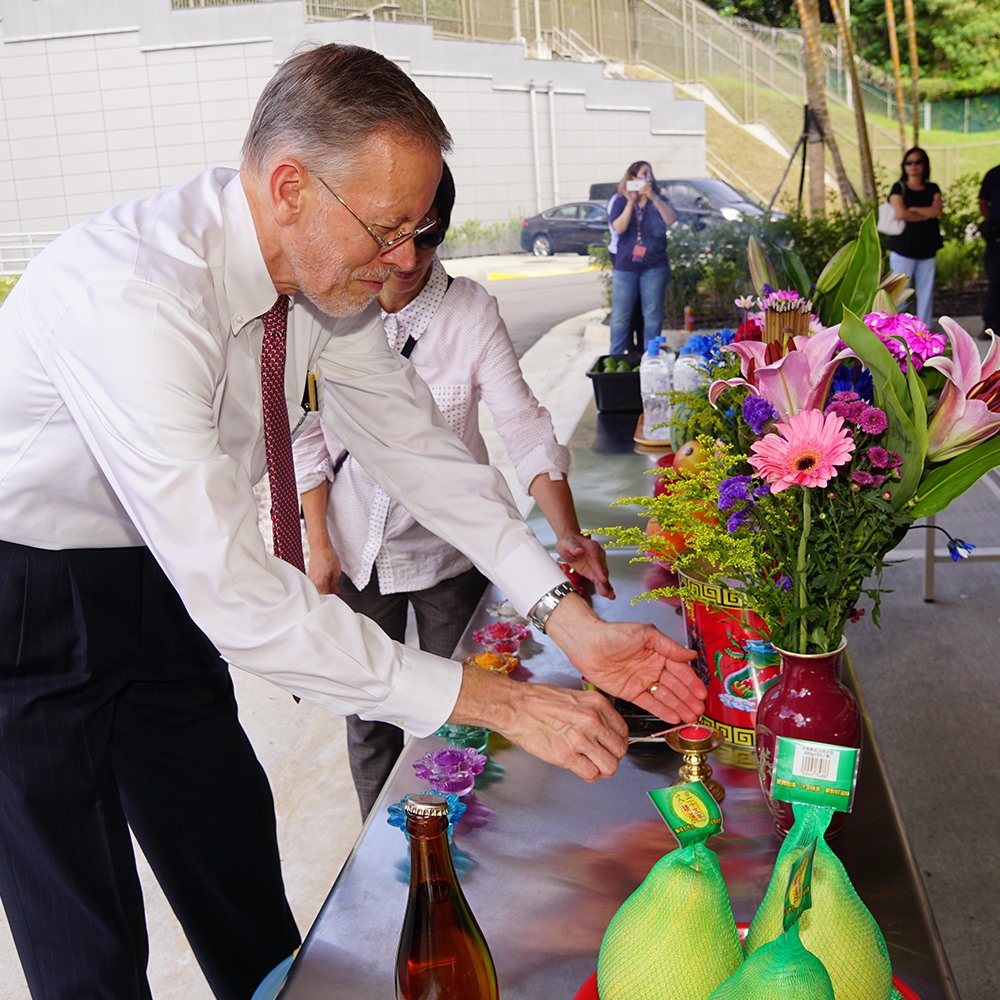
(689, 810)
(798, 895)
(820, 774)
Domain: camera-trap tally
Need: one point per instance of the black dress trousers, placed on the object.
(117, 711)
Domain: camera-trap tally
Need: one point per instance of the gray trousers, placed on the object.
(442, 613)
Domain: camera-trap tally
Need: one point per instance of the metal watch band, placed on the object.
(540, 613)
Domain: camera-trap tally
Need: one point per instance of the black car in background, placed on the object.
(569, 228)
(700, 201)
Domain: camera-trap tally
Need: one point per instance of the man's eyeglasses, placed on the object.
(386, 245)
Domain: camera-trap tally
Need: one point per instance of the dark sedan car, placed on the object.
(569, 228)
(700, 201)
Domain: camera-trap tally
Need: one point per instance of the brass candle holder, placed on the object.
(694, 742)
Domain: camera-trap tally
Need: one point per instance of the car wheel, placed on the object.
(541, 247)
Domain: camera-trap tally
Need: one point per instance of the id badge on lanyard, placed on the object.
(638, 251)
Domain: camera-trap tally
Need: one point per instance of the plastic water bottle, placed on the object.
(688, 373)
(655, 380)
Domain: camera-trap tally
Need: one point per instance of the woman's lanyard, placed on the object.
(638, 251)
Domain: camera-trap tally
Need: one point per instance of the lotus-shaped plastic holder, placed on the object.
(502, 663)
(502, 637)
(465, 737)
(397, 814)
(451, 770)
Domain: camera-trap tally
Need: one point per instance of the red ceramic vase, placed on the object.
(808, 703)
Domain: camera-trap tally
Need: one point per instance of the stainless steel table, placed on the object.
(555, 856)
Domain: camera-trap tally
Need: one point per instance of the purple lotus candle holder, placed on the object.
(451, 770)
(502, 637)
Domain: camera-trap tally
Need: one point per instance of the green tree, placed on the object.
(957, 39)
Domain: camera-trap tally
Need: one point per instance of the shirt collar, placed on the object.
(413, 318)
(249, 288)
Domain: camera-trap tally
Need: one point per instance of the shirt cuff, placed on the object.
(423, 695)
(526, 574)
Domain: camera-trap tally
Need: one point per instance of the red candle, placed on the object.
(694, 734)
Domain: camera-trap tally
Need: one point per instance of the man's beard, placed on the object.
(317, 257)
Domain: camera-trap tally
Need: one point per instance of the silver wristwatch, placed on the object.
(540, 613)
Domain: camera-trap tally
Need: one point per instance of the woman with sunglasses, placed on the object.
(370, 550)
(918, 203)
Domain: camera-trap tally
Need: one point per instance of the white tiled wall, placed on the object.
(138, 99)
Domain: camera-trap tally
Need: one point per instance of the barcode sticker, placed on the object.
(812, 761)
(818, 773)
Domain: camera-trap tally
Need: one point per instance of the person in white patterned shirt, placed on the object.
(367, 548)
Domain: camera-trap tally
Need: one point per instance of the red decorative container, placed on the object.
(735, 664)
(808, 703)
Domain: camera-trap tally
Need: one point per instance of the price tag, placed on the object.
(820, 774)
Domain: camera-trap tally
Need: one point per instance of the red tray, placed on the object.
(589, 989)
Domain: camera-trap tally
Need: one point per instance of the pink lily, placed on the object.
(796, 380)
(968, 411)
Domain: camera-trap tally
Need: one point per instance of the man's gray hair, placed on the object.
(325, 103)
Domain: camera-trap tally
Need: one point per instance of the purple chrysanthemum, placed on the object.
(783, 583)
(879, 457)
(873, 420)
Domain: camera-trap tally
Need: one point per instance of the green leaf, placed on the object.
(952, 478)
(761, 268)
(835, 269)
(857, 291)
(794, 275)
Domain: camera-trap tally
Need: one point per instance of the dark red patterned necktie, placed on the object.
(285, 527)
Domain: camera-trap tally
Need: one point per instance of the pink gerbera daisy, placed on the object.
(805, 451)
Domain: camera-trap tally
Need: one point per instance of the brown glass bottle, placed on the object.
(442, 952)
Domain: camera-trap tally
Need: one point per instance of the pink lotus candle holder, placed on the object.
(502, 637)
(451, 770)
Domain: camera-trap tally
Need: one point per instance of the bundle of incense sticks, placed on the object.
(786, 318)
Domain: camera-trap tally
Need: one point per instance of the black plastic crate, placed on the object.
(617, 391)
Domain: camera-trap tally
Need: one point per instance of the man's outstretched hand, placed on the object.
(629, 660)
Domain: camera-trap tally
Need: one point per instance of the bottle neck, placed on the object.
(430, 854)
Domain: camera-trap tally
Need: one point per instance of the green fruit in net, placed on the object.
(839, 929)
(675, 937)
(779, 970)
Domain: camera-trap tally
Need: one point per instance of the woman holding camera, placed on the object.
(640, 216)
(918, 203)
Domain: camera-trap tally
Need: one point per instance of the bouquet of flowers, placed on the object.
(841, 438)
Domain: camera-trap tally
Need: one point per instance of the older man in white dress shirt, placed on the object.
(130, 440)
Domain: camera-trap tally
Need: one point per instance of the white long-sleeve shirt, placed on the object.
(464, 353)
(130, 414)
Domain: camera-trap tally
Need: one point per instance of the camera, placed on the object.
(635, 185)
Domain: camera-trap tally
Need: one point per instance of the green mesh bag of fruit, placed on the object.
(675, 937)
(783, 969)
(838, 928)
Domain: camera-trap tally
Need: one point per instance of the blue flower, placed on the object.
(783, 583)
(959, 549)
(851, 377)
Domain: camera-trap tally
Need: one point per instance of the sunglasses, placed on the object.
(913, 163)
(430, 239)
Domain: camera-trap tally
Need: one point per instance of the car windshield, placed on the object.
(721, 193)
